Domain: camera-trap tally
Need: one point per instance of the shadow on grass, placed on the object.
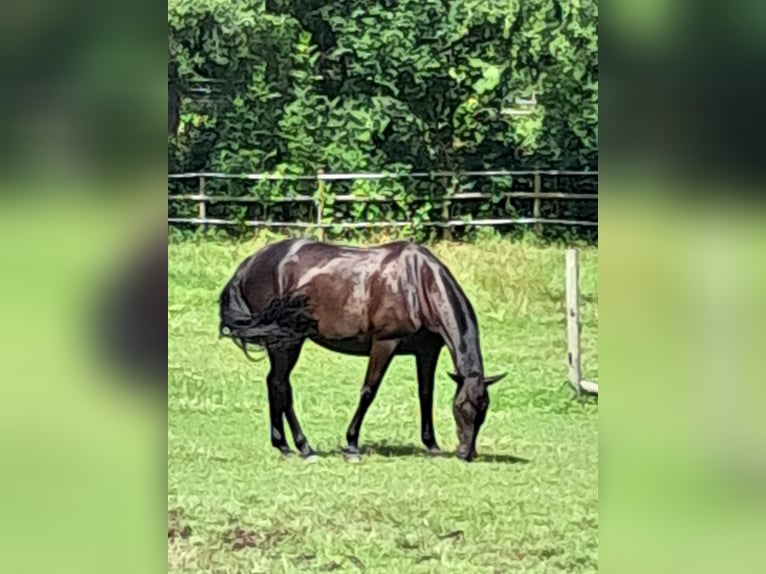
(409, 450)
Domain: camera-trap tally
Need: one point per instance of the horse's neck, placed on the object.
(466, 354)
(461, 332)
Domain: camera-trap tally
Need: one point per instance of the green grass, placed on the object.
(250, 510)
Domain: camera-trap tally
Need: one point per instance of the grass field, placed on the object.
(528, 504)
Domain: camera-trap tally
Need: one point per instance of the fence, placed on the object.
(537, 196)
(574, 327)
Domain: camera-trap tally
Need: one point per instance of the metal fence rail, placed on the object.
(202, 199)
(321, 176)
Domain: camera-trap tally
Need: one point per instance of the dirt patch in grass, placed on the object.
(177, 525)
(239, 538)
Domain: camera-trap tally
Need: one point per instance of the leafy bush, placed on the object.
(387, 85)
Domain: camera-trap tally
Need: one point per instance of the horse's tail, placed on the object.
(285, 321)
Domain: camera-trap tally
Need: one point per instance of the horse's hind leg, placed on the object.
(426, 365)
(380, 357)
(281, 400)
(301, 442)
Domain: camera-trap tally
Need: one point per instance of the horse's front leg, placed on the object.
(281, 401)
(426, 365)
(380, 357)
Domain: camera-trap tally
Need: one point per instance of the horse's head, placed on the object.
(470, 409)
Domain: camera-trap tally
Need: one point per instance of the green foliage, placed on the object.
(396, 509)
(387, 85)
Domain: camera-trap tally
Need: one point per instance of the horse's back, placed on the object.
(358, 293)
(355, 295)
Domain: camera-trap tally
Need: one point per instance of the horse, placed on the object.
(379, 302)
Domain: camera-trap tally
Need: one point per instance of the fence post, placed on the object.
(536, 205)
(202, 203)
(573, 317)
(446, 209)
(574, 327)
(319, 203)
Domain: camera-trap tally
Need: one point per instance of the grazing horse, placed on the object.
(394, 299)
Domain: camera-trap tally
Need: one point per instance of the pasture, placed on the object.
(528, 504)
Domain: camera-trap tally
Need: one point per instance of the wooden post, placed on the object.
(574, 327)
(573, 318)
(445, 219)
(202, 203)
(446, 210)
(320, 204)
(536, 205)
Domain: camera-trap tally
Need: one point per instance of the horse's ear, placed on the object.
(491, 380)
(455, 377)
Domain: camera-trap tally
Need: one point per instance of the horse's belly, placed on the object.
(349, 346)
(341, 323)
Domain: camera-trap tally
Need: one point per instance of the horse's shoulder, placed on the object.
(420, 250)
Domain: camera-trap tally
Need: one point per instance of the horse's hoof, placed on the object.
(285, 452)
(464, 455)
(307, 451)
(352, 455)
(311, 457)
(434, 451)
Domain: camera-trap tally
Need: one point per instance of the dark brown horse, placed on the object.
(395, 299)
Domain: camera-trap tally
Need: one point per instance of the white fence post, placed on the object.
(202, 203)
(319, 204)
(574, 326)
(573, 318)
(536, 205)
